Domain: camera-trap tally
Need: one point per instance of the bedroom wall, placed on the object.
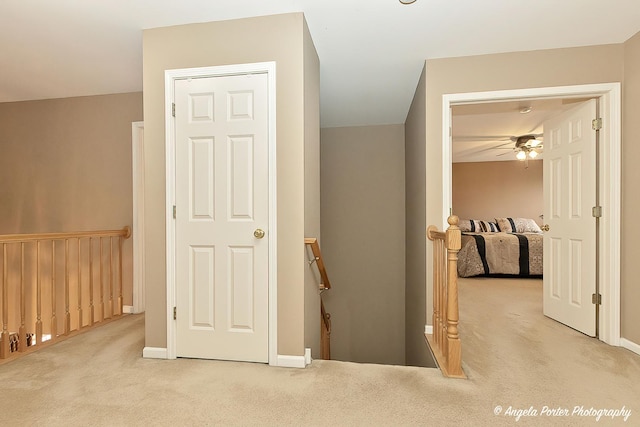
(363, 224)
(630, 202)
(66, 166)
(488, 190)
(276, 38)
(556, 67)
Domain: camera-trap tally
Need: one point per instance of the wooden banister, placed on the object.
(325, 318)
(41, 289)
(312, 242)
(445, 340)
(325, 333)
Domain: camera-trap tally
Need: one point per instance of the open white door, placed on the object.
(570, 194)
(222, 217)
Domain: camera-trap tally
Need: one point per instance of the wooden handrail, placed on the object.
(33, 280)
(312, 242)
(7, 238)
(325, 318)
(445, 340)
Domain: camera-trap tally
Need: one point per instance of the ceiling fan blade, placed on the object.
(497, 147)
(502, 154)
(483, 139)
(499, 138)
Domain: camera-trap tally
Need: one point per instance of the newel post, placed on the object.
(453, 242)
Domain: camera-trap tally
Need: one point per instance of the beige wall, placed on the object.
(416, 180)
(271, 38)
(311, 189)
(488, 190)
(66, 166)
(558, 67)
(362, 179)
(630, 322)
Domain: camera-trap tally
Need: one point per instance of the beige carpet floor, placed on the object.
(514, 356)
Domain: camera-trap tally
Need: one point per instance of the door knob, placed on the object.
(259, 234)
(545, 227)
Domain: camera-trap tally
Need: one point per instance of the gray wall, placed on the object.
(311, 188)
(507, 71)
(66, 166)
(278, 38)
(363, 226)
(630, 292)
(416, 248)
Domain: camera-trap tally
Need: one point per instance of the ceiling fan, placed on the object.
(526, 146)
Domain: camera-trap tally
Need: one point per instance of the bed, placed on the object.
(511, 248)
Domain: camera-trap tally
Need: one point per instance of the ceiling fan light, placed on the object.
(535, 142)
(533, 154)
(521, 155)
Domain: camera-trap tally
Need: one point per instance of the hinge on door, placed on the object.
(175, 313)
(596, 124)
(174, 211)
(596, 299)
(173, 109)
(596, 211)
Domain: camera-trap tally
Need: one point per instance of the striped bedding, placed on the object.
(498, 254)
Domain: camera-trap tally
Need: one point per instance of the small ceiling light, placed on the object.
(525, 110)
(533, 154)
(521, 155)
(407, 1)
(535, 142)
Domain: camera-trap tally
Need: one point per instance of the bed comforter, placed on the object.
(512, 254)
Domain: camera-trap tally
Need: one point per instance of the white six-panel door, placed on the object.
(570, 194)
(222, 197)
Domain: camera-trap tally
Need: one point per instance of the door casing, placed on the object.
(609, 178)
(238, 69)
(137, 155)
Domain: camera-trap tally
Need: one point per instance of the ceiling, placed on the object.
(371, 51)
(486, 132)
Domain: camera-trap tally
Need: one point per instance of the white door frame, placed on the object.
(609, 180)
(137, 157)
(169, 78)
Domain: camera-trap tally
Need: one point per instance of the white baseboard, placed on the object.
(291, 361)
(630, 345)
(154, 353)
(283, 360)
(127, 309)
(307, 356)
(428, 329)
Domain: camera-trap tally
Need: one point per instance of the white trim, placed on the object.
(154, 353)
(307, 356)
(169, 77)
(170, 200)
(428, 329)
(290, 361)
(128, 309)
(630, 345)
(610, 178)
(137, 162)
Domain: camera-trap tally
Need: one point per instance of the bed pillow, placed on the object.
(518, 225)
(472, 225)
(489, 227)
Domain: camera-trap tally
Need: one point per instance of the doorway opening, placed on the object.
(608, 180)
